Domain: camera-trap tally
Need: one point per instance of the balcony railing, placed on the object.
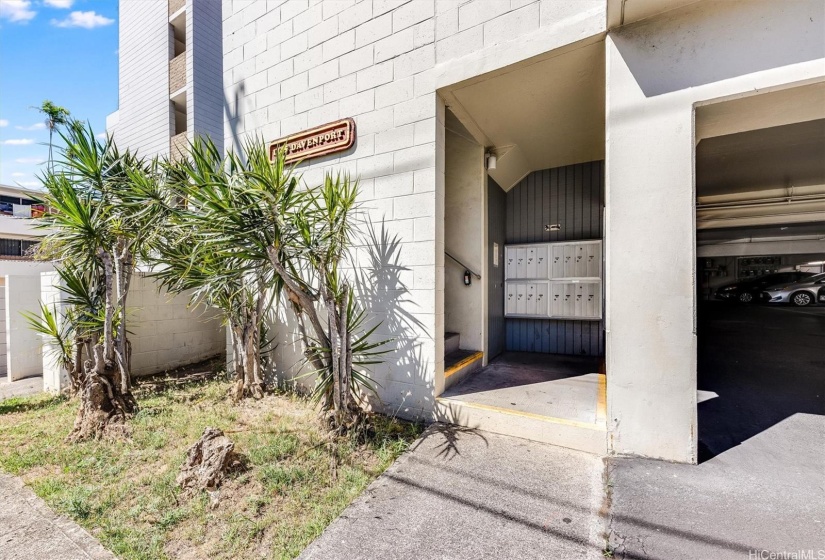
(175, 5)
(177, 72)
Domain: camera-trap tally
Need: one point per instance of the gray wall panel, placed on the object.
(572, 196)
(496, 224)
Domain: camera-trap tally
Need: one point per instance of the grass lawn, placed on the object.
(124, 491)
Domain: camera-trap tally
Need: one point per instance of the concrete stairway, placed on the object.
(458, 364)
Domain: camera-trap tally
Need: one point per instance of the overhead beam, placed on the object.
(761, 110)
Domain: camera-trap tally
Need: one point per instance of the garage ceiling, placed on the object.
(785, 156)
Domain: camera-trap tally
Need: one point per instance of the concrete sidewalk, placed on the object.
(767, 494)
(20, 388)
(29, 529)
(462, 494)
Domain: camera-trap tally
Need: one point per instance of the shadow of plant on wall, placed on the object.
(382, 290)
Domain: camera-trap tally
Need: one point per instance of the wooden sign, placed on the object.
(316, 142)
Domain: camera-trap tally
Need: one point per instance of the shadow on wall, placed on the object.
(689, 47)
(232, 111)
(381, 289)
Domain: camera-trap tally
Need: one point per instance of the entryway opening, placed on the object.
(760, 218)
(523, 239)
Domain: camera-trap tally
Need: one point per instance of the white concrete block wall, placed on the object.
(166, 333)
(55, 377)
(23, 358)
(290, 66)
(144, 115)
(3, 364)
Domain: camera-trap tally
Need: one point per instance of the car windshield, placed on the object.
(815, 278)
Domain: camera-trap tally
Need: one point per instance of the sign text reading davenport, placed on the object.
(316, 142)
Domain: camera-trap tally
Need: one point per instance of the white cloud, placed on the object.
(30, 183)
(35, 126)
(16, 10)
(62, 4)
(18, 141)
(18, 174)
(3, 122)
(87, 20)
(101, 135)
(28, 160)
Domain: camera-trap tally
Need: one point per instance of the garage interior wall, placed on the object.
(572, 197)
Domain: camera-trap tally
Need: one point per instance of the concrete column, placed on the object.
(650, 256)
(23, 346)
(55, 377)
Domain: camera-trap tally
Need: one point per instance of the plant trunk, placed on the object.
(76, 367)
(106, 401)
(246, 358)
(123, 276)
(104, 408)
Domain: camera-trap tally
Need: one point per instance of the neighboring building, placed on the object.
(608, 122)
(18, 240)
(18, 236)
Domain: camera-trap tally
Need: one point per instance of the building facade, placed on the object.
(485, 126)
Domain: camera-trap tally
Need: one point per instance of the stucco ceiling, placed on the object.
(539, 114)
(784, 156)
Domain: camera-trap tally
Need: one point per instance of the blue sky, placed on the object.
(61, 50)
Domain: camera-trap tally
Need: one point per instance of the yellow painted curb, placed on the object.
(601, 405)
(531, 415)
(468, 360)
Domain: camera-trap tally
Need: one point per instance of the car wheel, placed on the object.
(746, 297)
(801, 299)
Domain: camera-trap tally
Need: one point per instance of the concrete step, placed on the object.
(458, 364)
(581, 436)
(452, 341)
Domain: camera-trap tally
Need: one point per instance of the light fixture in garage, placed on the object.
(552, 227)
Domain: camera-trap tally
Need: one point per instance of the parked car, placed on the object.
(805, 292)
(749, 289)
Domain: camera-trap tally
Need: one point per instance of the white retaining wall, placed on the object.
(165, 333)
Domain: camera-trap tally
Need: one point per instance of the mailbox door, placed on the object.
(569, 261)
(510, 303)
(510, 262)
(541, 261)
(594, 260)
(530, 262)
(521, 299)
(541, 299)
(521, 267)
(557, 261)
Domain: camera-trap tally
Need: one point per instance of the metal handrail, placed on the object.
(476, 274)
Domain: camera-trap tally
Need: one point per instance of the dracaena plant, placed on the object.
(102, 219)
(291, 239)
